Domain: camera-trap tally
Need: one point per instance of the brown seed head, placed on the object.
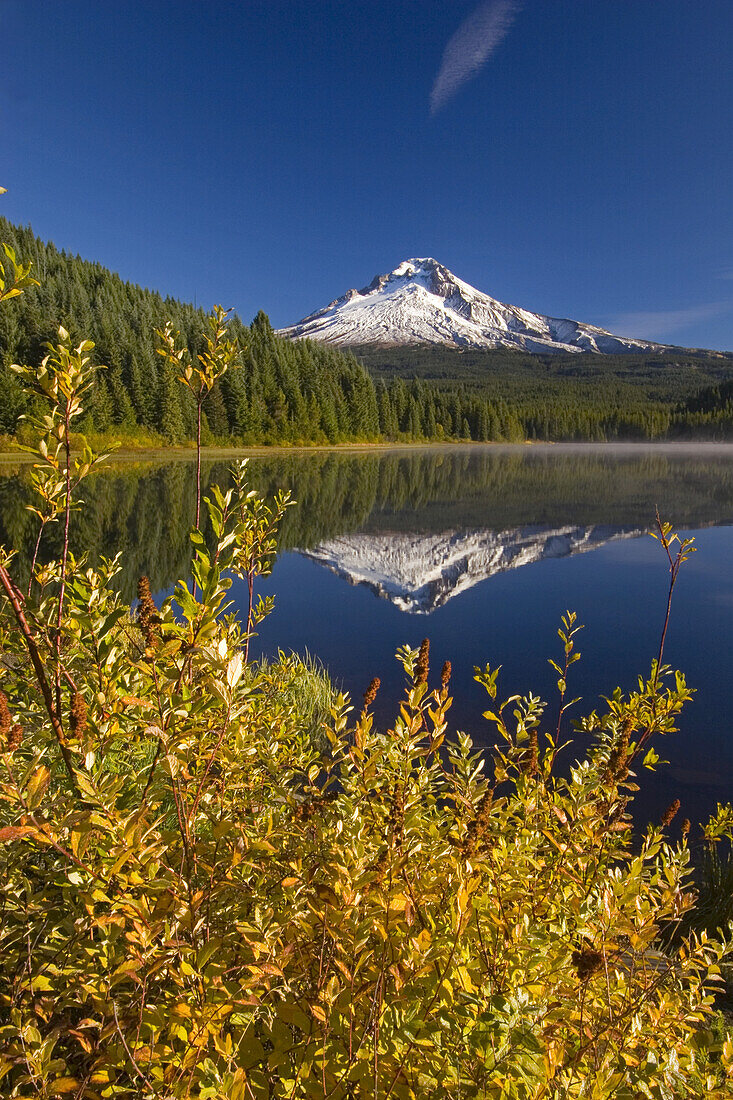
(15, 737)
(380, 864)
(304, 810)
(618, 760)
(685, 827)
(587, 962)
(531, 763)
(483, 810)
(670, 812)
(423, 662)
(371, 692)
(6, 718)
(478, 829)
(446, 674)
(78, 714)
(147, 612)
(11, 734)
(396, 820)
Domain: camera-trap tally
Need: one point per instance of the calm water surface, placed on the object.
(481, 549)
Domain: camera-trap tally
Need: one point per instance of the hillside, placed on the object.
(285, 392)
(668, 375)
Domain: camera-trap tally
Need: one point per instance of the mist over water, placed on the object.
(479, 548)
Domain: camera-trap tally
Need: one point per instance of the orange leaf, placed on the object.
(17, 832)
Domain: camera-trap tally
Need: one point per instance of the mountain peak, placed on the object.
(416, 264)
(422, 302)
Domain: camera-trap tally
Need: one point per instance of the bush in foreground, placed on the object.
(203, 899)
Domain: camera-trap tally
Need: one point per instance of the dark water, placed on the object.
(481, 549)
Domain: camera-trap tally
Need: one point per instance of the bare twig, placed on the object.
(130, 1055)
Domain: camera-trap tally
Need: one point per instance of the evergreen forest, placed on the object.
(304, 392)
(285, 392)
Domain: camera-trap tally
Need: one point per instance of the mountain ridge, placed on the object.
(422, 302)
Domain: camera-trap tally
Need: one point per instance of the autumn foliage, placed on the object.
(203, 898)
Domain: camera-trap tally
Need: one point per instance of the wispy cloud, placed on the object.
(661, 324)
(471, 46)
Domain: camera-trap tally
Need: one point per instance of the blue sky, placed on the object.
(270, 154)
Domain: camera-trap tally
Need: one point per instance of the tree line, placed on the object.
(285, 391)
(292, 392)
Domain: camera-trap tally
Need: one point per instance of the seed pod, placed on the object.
(380, 864)
(6, 718)
(304, 810)
(423, 662)
(147, 612)
(478, 829)
(669, 814)
(531, 762)
(396, 820)
(587, 962)
(11, 734)
(15, 737)
(371, 692)
(618, 767)
(78, 714)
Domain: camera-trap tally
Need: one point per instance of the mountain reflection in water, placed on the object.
(419, 573)
(145, 509)
(443, 530)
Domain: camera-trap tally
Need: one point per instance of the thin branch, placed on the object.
(35, 557)
(64, 556)
(130, 1055)
(16, 600)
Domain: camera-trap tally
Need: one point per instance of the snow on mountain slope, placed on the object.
(422, 302)
(419, 573)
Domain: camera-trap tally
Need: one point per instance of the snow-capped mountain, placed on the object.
(419, 573)
(422, 302)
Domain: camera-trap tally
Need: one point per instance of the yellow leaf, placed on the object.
(37, 785)
(63, 1085)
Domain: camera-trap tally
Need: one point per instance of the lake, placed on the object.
(481, 549)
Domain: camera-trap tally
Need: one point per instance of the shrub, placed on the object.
(203, 899)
